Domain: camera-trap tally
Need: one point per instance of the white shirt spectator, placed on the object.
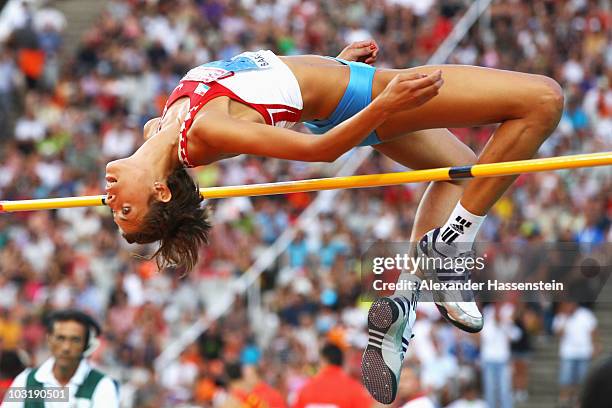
(7, 73)
(13, 16)
(132, 285)
(496, 336)
(158, 28)
(8, 293)
(104, 396)
(385, 225)
(118, 142)
(467, 55)
(235, 173)
(600, 95)
(421, 402)
(262, 11)
(38, 252)
(421, 345)
(29, 129)
(232, 209)
(232, 25)
(179, 377)
(49, 17)
(357, 34)
(463, 403)
(61, 294)
(50, 173)
(573, 71)
(439, 371)
(88, 225)
(307, 336)
(418, 7)
(576, 339)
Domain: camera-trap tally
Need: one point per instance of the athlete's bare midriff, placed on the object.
(322, 83)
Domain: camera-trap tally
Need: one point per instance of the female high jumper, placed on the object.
(246, 105)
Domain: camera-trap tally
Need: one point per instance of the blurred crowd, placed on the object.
(65, 113)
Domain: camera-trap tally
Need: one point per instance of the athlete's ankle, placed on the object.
(461, 227)
(407, 284)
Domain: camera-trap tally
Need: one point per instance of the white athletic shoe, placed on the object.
(457, 306)
(390, 322)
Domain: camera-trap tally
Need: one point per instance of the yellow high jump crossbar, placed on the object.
(372, 180)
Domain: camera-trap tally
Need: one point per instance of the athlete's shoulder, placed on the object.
(209, 123)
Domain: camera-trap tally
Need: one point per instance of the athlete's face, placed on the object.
(128, 191)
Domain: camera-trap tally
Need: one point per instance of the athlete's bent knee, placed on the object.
(550, 101)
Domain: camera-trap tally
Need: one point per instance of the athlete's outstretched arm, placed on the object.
(227, 135)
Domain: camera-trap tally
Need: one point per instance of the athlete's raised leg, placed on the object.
(528, 108)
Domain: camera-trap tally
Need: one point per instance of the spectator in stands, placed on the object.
(8, 76)
(495, 338)
(30, 55)
(576, 327)
(469, 397)
(411, 393)
(332, 386)
(521, 351)
(246, 389)
(72, 337)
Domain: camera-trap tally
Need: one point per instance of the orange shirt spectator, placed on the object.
(10, 331)
(332, 386)
(247, 390)
(273, 398)
(249, 399)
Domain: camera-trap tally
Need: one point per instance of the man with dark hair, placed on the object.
(72, 337)
(332, 386)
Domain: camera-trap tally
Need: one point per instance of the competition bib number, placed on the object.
(216, 70)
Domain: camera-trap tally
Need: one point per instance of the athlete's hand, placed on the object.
(411, 90)
(361, 51)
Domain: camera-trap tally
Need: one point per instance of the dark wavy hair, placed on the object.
(181, 225)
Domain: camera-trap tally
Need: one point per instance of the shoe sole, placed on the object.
(377, 376)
